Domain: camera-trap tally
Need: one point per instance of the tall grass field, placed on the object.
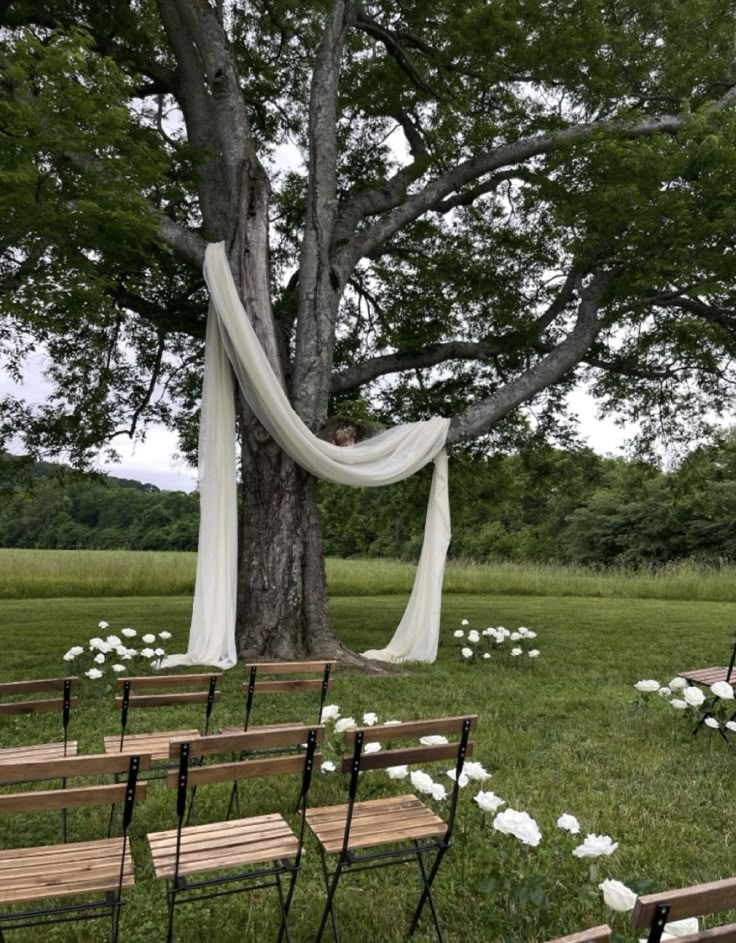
(30, 574)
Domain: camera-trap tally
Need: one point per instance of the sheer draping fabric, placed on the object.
(383, 459)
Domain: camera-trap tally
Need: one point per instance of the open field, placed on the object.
(559, 734)
(27, 574)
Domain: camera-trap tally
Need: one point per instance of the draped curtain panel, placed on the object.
(383, 459)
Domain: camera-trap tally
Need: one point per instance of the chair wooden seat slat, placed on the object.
(38, 751)
(205, 848)
(706, 676)
(63, 870)
(157, 744)
(600, 934)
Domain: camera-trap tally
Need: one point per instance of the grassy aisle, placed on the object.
(558, 735)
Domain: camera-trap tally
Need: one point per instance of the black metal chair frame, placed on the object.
(727, 679)
(263, 877)
(112, 901)
(370, 860)
(659, 919)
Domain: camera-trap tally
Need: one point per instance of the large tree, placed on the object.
(496, 198)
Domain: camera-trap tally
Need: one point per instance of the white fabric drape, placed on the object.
(384, 459)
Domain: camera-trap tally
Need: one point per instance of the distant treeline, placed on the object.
(543, 504)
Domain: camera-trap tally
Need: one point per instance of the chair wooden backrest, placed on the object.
(244, 743)
(62, 687)
(654, 911)
(357, 761)
(259, 683)
(594, 935)
(163, 697)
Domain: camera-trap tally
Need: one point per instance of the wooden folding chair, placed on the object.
(594, 935)
(653, 911)
(157, 744)
(260, 850)
(10, 706)
(404, 823)
(97, 869)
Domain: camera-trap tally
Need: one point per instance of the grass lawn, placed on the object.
(559, 734)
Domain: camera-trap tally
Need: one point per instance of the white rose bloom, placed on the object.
(618, 896)
(596, 846)
(519, 824)
(488, 801)
(328, 767)
(713, 723)
(679, 928)
(731, 725)
(98, 644)
(397, 772)
(330, 712)
(74, 652)
(664, 691)
(476, 771)
(647, 687)
(464, 622)
(530, 634)
(345, 723)
(433, 740)
(93, 674)
(504, 633)
(473, 636)
(147, 652)
(391, 723)
(694, 696)
(113, 641)
(103, 625)
(486, 654)
(438, 792)
(568, 823)
(167, 635)
(160, 652)
(463, 781)
(372, 748)
(458, 634)
(466, 652)
(516, 636)
(678, 684)
(129, 633)
(422, 782)
(99, 659)
(118, 668)
(149, 639)
(488, 632)
(369, 719)
(516, 652)
(723, 690)
(678, 704)
(534, 653)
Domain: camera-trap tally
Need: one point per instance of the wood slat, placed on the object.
(695, 901)
(35, 707)
(724, 934)
(8, 688)
(166, 700)
(594, 935)
(48, 799)
(405, 755)
(290, 667)
(37, 751)
(157, 744)
(276, 687)
(63, 870)
(244, 769)
(167, 681)
(254, 728)
(31, 770)
(412, 729)
(705, 675)
(286, 736)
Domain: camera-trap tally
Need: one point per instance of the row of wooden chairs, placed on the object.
(155, 691)
(652, 913)
(254, 852)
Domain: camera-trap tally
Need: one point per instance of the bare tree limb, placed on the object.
(187, 245)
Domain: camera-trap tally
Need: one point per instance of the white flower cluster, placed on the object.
(683, 695)
(496, 637)
(113, 651)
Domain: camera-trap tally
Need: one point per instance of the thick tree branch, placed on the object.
(187, 245)
(392, 42)
(478, 418)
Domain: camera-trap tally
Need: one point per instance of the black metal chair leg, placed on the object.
(115, 920)
(331, 889)
(170, 933)
(284, 904)
(427, 894)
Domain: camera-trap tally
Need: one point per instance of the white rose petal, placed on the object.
(74, 652)
(488, 801)
(568, 823)
(647, 687)
(723, 690)
(596, 846)
(618, 896)
(398, 772)
(519, 824)
(694, 696)
(731, 725)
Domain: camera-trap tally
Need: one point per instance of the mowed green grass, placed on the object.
(32, 574)
(558, 735)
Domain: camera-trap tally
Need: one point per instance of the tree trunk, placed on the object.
(282, 596)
